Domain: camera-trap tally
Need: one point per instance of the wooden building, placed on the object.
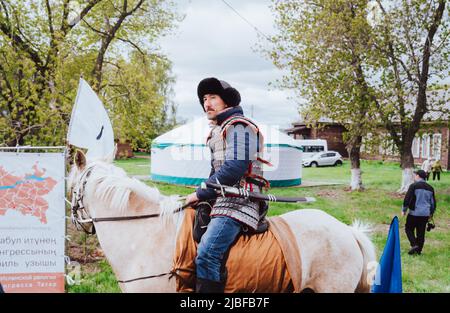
(124, 150)
(431, 141)
(327, 130)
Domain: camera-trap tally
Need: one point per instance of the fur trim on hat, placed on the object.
(214, 86)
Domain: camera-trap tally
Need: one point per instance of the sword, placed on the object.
(242, 193)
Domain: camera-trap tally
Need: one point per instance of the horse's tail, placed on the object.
(361, 231)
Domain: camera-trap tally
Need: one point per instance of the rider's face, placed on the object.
(213, 105)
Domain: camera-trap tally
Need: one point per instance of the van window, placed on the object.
(313, 148)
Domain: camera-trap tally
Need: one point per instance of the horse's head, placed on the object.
(100, 189)
(76, 185)
(79, 163)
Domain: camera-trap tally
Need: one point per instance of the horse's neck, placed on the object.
(138, 248)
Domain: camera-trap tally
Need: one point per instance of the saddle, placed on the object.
(262, 262)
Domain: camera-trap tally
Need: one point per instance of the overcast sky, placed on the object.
(213, 41)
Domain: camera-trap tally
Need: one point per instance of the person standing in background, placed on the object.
(426, 166)
(436, 168)
(421, 203)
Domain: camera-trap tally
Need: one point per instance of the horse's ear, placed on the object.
(80, 159)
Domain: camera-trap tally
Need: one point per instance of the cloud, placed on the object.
(213, 40)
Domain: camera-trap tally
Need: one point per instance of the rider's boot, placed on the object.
(209, 286)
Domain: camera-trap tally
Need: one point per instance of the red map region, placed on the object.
(25, 194)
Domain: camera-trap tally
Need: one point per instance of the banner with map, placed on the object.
(32, 222)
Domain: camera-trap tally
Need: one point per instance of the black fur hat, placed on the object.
(214, 86)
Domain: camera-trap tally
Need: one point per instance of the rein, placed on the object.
(171, 273)
(133, 217)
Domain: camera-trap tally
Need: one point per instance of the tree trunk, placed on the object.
(356, 183)
(353, 148)
(17, 141)
(98, 68)
(407, 164)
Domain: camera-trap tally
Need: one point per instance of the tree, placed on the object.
(324, 44)
(411, 39)
(31, 37)
(46, 45)
(130, 23)
(139, 89)
(392, 62)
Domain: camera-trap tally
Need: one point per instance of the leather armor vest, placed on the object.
(241, 209)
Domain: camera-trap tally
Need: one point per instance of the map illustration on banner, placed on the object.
(26, 194)
(32, 222)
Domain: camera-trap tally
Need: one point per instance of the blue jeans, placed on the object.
(215, 242)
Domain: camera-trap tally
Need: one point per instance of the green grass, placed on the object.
(378, 204)
(100, 281)
(135, 166)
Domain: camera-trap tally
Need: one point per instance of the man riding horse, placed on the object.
(236, 144)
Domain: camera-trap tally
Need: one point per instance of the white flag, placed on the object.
(90, 126)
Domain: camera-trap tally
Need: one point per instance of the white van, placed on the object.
(312, 146)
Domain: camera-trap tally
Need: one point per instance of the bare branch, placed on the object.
(65, 14)
(441, 44)
(411, 47)
(24, 131)
(138, 5)
(8, 86)
(421, 97)
(113, 64)
(97, 71)
(83, 13)
(5, 9)
(50, 19)
(104, 34)
(396, 59)
(133, 44)
(22, 44)
(118, 96)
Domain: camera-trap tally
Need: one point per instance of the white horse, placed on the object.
(334, 256)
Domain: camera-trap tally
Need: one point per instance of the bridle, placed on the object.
(80, 217)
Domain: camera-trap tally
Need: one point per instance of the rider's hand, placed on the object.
(403, 213)
(192, 198)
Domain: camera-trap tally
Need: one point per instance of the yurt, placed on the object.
(181, 155)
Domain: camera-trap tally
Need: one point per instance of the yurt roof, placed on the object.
(195, 133)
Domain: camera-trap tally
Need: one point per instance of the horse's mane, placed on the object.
(112, 186)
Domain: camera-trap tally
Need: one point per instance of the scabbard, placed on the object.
(234, 191)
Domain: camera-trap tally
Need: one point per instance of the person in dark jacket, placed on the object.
(421, 203)
(235, 143)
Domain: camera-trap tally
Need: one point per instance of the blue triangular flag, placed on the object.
(388, 278)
